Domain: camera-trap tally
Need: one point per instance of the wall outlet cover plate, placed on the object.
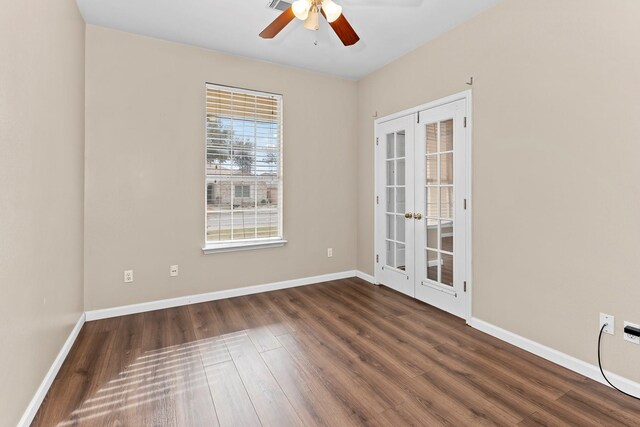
(128, 276)
(610, 321)
(629, 337)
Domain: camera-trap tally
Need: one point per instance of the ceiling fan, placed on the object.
(309, 11)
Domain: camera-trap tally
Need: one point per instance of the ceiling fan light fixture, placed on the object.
(312, 20)
(301, 9)
(311, 9)
(331, 10)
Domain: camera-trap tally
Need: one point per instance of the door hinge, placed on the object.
(465, 204)
(418, 118)
(377, 141)
(465, 286)
(377, 259)
(377, 200)
(465, 122)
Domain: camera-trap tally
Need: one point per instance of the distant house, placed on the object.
(226, 186)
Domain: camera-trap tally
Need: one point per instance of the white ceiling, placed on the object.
(387, 28)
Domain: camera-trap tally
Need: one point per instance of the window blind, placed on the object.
(243, 165)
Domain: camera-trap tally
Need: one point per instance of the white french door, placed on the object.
(394, 181)
(440, 193)
(421, 206)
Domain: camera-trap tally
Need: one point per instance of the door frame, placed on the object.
(467, 96)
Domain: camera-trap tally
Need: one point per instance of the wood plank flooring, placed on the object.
(341, 353)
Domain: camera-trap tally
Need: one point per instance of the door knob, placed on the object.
(408, 215)
(417, 216)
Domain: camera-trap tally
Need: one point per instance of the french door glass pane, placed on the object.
(400, 200)
(395, 204)
(446, 202)
(439, 202)
(432, 265)
(446, 169)
(390, 227)
(432, 138)
(400, 144)
(390, 197)
(432, 169)
(446, 236)
(391, 172)
(432, 202)
(391, 253)
(400, 172)
(400, 256)
(432, 234)
(446, 135)
(400, 232)
(447, 270)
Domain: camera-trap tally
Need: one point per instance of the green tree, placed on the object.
(244, 155)
(271, 159)
(219, 140)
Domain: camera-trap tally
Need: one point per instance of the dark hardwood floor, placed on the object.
(340, 353)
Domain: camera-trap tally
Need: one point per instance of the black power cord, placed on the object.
(600, 365)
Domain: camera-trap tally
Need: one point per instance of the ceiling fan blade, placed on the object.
(344, 30)
(278, 24)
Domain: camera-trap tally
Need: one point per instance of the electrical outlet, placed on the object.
(610, 321)
(329, 252)
(629, 337)
(128, 276)
(173, 270)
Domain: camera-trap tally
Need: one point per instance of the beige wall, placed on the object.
(145, 171)
(556, 169)
(41, 191)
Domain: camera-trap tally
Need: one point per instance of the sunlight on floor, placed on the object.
(157, 375)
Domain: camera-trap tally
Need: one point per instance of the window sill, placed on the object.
(243, 246)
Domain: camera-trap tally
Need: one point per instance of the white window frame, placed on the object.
(248, 244)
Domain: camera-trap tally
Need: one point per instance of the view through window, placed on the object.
(243, 166)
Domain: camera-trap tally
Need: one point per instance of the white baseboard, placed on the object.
(364, 276)
(213, 296)
(557, 357)
(35, 403)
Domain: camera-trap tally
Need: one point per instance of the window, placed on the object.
(243, 169)
(243, 191)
